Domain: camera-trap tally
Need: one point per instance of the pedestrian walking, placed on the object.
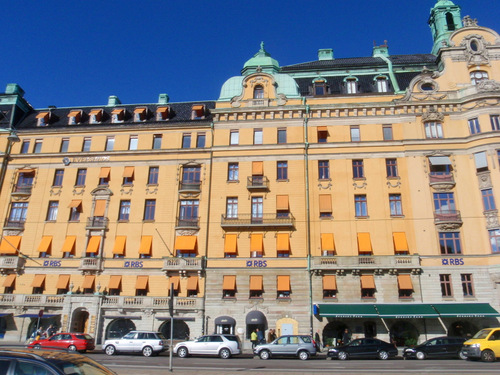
(317, 339)
(253, 339)
(260, 336)
(346, 337)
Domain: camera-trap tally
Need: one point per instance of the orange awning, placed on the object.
(322, 129)
(284, 283)
(26, 170)
(162, 109)
(282, 202)
(364, 243)
(74, 114)
(256, 282)
(75, 203)
(88, 282)
(139, 110)
(231, 243)
(105, 171)
(38, 281)
(69, 244)
(100, 207)
(256, 242)
(114, 282)
(63, 282)
(119, 247)
(404, 282)
(93, 245)
(229, 282)
(367, 282)
(186, 243)
(192, 283)
(43, 115)
(197, 107)
(9, 280)
(117, 111)
(10, 245)
(128, 172)
(325, 203)
(146, 245)
(283, 242)
(329, 282)
(257, 168)
(400, 242)
(174, 280)
(45, 244)
(327, 242)
(95, 111)
(142, 282)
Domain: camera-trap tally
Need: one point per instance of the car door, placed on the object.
(199, 346)
(293, 345)
(213, 344)
(432, 348)
(128, 341)
(355, 348)
(280, 346)
(370, 348)
(58, 341)
(494, 342)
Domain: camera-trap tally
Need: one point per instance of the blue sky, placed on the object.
(78, 52)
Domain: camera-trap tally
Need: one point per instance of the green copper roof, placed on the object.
(263, 60)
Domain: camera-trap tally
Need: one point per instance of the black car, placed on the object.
(364, 348)
(438, 347)
(48, 362)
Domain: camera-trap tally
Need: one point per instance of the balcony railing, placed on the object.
(97, 222)
(189, 186)
(257, 183)
(366, 262)
(32, 299)
(91, 264)
(14, 224)
(22, 190)
(447, 217)
(180, 303)
(182, 264)
(11, 263)
(264, 220)
(187, 222)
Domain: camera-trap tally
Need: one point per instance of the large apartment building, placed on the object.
(354, 193)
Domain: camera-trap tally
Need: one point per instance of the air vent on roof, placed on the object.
(325, 54)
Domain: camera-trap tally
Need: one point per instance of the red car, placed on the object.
(72, 341)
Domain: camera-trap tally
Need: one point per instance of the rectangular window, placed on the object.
(488, 200)
(391, 166)
(474, 126)
(133, 142)
(433, 130)
(104, 176)
(449, 242)
(325, 206)
(382, 85)
(87, 142)
(128, 176)
(52, 211)
(355, 134)
(25, 181)
(257, 209)
(494, 240)
(323, 169)
(367, 286)
(387, 132)
(444, 203)
(81, 175)
(322, 134)
(74, 214)
(283, 287)
(481, 161)
(358, 170)
(495, 122)
(361, 205)
(232, 171)
(257, 137)
(200, 140)
(186, 140)
(58, 177)
(189, 210)
(157, 141)
(282, 170)
(395, 204)
(281, 136)
(64, 145)
(153, 175)
(25, 147)
(149, 209)
(467, 284)
(110, 143)
(351, 86)
(234, 137)
(231, 208)
(124, 214)
(445, 281)
(95, 116)
(18, 212)
(256, 286)
(329, 286)
(38, 146)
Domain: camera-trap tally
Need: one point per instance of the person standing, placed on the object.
(346, 337)
(271, 335)
(260, 337)
(317, 339)
(253, 339)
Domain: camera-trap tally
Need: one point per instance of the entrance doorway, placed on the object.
(80, 321)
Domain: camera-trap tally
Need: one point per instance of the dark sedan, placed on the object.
(438, 347)
(364, 348)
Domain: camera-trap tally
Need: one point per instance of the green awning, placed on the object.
(406, 310)
(465, 310)
(360, 310)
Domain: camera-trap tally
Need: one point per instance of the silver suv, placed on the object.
(145, 342)
(223, 346)
(301, 346)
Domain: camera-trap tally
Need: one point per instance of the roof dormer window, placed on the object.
(140, 114)
(43, 118)
(382, 85)
(117, 115)
(351, 85)
(198, 112)
(319, 87)
(95, 116)
(162, 113)
(74, 117)
(258, 92)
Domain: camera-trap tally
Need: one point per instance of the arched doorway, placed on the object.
(332, 333)
(119, 328)
(403, 333)
(181, 329)
(224, 324)
(255, 319)
(462, 329)
(80, 321)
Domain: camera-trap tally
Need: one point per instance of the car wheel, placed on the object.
(182, 352)
(110, 350)
(383, 355)
(303, 355)
(147, 351)
(487, 356)
(462, 355)
(343, 356)
(72, 348)
(264, 354)
(420, 355)
(37, 346)
(225, 353)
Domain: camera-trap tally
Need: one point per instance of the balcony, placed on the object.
(441, 181)
(265, 220)
(448, 219)
(190, 187)
(97, 222)
(183, 264)
(11, 263)
(187, 223)
(39, 300)
(364, 262)
(14, 224)
(180, 303)
(257, 183)
(91, 264)
(22, 190)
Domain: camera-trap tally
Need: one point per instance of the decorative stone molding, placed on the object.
(55, 190)
(432, 115)
(326, 187)
(492, 219)
(484, 179)
(397, 183)
(127, 189)
(78, 190)
(488, 85)
(475, 50)
(448, 227)
(469, 22)
(152, 190)
(362, 185)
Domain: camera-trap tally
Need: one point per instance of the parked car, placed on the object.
(301, 346)
(484, 345)
(364, 348)
(224, 346)
(48, 362)
(438, 347)
(146, 342)
(65, 340)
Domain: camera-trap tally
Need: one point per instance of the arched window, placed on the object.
(450, 24)
(478, 76)
(320, 87)
(258, 92)
(351, 85)
(382, 85)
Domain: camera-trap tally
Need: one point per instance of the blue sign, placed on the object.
(133, 264)
(257, 263)
(52, 263)
(452, 261)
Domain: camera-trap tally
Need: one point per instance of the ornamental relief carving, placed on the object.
(484, 179)
(481, 104)
(448, 227)
(475, 50)
(488, 85)
(432, 115)
(492, 219)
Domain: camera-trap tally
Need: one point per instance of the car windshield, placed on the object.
(482, 334)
